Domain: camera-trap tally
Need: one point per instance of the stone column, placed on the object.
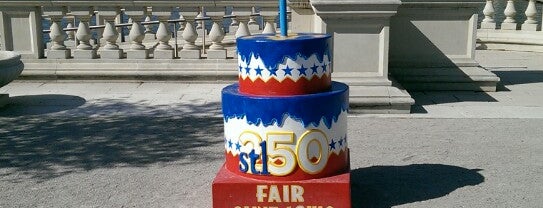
(163, 50)
(21, 30)
(110, 50)
(360, 52)
(137, 33)
(216, 35)
(84, 50)
(432, 46)
(190, 50)
(58, 49)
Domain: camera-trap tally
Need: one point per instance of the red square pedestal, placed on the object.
(234, 191)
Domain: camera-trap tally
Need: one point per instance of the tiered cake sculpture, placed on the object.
(285, 127)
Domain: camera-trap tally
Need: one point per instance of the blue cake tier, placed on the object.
(273, 66)
(307, 109)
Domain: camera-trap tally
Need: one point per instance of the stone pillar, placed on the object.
(84, 50)
(163, 50)
(58, 49)
(216, 35)
(110, 50)
(20, 30)
(190, 50)
(432, 46)
(360, 52)
(137, 33)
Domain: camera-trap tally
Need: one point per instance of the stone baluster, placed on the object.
(181, 27)
(233, 25)
(84, 49)
(71, 33)
(190, 50)
(200, 24)
(509, 23)
(531, 12)
(253, 24)
(242, 15)
(110, 35)
(216, 50)
(488, 11)
(269, 14)
(163, 50)
(118, 20)
(136, 35)
(58, 50)
(130, 21)
(149, 34)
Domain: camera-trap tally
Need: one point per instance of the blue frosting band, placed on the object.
(273, 49)
(308, 109)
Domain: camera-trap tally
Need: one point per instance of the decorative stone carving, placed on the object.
(190, 50)
(84, 50)
(136, 34)
(488, 22)
(531, 13)
(216, 50)
(163, 50)
(58, 49)
(509, 23)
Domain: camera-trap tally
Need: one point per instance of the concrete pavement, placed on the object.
(159, 144)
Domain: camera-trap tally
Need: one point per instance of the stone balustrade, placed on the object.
(155, 29)
(511, 25)
(381, 47)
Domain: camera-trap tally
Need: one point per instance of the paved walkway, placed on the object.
(155, 144)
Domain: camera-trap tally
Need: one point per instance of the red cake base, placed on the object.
(234, 191)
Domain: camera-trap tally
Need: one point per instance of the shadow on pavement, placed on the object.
(387, 186)
(43, 147)
(40, 104)
(514, 77)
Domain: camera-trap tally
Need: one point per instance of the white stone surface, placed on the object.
(85, 54)
(137, 54)
(163, 54)
(59, 54)
(190, 54)
(111, 54)
(216, 54)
